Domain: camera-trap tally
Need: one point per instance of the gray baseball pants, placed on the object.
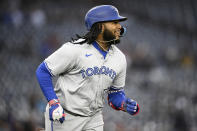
(75, 123)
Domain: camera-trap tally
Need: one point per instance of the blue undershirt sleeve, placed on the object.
(44, 78)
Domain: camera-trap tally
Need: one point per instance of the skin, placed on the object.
(112, 29)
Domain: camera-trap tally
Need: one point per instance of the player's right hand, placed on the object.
(56, 112)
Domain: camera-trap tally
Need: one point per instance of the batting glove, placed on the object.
(56, 112)
(131, 106)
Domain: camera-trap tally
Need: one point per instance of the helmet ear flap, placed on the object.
(123, 31)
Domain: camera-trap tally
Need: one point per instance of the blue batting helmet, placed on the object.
(102, 13)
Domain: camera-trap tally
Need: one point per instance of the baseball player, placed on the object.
(86, 68)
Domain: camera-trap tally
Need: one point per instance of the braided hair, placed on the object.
(91, 36)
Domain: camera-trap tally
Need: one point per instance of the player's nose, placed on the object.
(118, 26)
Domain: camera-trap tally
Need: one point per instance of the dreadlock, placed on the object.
(91, 35)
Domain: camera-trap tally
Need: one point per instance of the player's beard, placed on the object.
(110, 37)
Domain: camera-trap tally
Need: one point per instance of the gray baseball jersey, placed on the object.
(84, 74)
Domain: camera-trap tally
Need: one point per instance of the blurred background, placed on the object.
(161, 50)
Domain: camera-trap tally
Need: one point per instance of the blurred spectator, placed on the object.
(171, 56)
(7, 18)
(141, 57)
(150, 126)
(187, 61)
(2, 45)
(180, 122)
(12, 15)
(49, 45)
(17, 18)
(37, 18)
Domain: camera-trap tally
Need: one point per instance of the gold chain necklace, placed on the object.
(102, 47)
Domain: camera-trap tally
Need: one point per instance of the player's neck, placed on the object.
(103, 45)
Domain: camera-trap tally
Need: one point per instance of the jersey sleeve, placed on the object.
(119, 80)
(62, 60)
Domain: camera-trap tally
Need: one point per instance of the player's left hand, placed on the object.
(131, 106)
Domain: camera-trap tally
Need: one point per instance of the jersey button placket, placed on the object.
(100, 83)
(103, 61)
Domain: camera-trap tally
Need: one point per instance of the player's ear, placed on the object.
(102, 27)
